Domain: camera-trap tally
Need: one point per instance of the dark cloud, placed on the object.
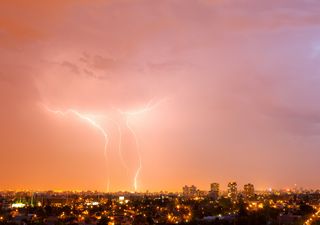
(71, 66)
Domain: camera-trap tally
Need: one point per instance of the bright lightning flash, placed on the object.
(90, 120)
(129, 114)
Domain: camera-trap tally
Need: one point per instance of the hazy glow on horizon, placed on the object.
(234, 89)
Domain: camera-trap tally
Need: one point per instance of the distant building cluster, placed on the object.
(214, 192)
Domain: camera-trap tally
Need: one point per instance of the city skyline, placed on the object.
(153, 95)
(218, 189)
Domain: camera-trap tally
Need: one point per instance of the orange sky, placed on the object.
(232, 87)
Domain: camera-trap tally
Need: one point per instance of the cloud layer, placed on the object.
(240, 81)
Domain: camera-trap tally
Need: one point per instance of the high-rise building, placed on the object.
(189, 191)
(248, 190)
(214, 190)
(232, 191)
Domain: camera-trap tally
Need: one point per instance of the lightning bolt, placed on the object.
(90, 120)
(128, 114)
(148, 107)
(120, 144)
(135, 179)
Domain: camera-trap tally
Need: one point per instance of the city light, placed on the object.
(18, 205)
